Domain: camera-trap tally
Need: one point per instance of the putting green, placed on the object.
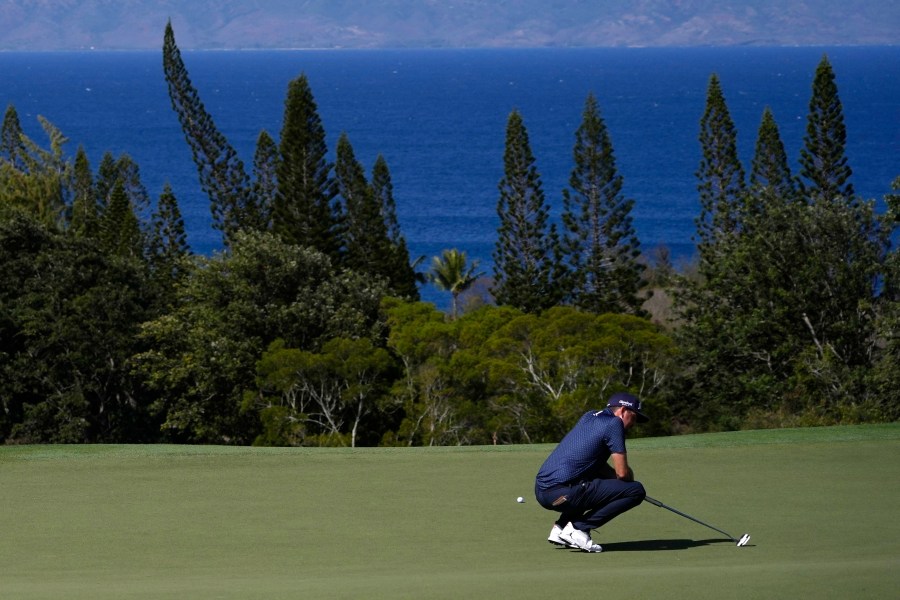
(222, 522)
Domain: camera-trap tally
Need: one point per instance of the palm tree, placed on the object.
(450, 273)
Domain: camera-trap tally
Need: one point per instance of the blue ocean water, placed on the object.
(439, 117)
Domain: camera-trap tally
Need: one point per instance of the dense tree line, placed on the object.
(307, 330)
(790, 318)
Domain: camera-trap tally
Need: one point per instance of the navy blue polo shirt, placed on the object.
(584, 450)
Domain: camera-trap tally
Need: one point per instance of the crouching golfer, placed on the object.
(577, 481)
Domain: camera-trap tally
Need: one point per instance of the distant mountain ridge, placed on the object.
(227, 24)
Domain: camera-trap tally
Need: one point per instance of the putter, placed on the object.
(740, 542)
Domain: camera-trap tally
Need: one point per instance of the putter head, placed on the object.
(744, 539)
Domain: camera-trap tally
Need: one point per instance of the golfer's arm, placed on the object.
(620, 465)
(607, 472)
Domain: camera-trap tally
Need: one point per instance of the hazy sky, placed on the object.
(139, 24)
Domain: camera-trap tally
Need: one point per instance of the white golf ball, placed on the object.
(520, 499)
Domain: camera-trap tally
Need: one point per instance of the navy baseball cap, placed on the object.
(630, 402)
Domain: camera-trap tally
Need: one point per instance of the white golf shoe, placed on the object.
(579, 539)
(554, 538)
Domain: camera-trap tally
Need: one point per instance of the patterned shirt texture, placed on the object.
(584, 450)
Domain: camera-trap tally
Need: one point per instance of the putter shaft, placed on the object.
(678, 512)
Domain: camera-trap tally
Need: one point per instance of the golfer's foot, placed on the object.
(579, 539)
(554, 538)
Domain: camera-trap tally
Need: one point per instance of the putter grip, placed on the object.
(652, 501)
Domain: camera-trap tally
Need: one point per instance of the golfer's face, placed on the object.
(629, 418)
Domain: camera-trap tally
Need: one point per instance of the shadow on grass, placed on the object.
(647, 545)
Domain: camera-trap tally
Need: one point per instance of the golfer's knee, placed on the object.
(638, 491)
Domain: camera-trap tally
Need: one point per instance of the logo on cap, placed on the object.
(630, 402)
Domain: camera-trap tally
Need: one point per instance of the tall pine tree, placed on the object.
(305, 211)
(11, 146)
(368, 247)
(168, 246)
(770, 170)
(822, 159)
(125, 171)
(107, 173)
(265, 177)
(720, 176)
(402, 275)
(120, 232)
(600, 245)
(222, 174)
(84, 219)
(527, 255)
(365, 235)
(168, 240)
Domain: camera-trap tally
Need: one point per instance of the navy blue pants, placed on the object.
(592, 503)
